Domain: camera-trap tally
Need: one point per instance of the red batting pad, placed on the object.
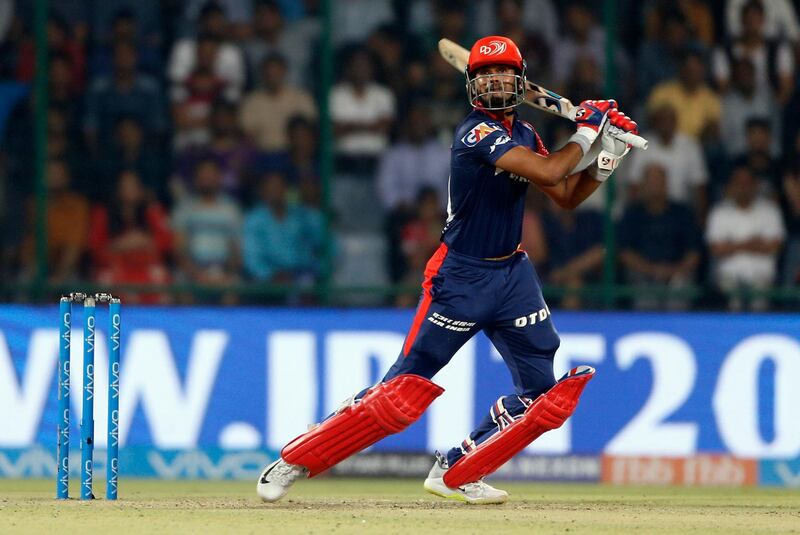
(548, 411)
(385, 409)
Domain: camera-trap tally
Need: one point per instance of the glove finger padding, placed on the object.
(620, 120)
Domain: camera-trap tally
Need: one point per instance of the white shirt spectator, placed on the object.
(784, 59)
(405, 168)
(228, 66)
(683, 159)
(738, 110)
(377, 103)
(780, 19)
(728, 222)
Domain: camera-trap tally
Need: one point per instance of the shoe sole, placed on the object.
(463, 499)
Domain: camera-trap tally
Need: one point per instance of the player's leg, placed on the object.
(526, 338)
(439, 329)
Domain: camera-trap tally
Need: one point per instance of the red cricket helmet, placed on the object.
(495, 50)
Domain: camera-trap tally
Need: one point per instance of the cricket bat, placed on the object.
(542, 99)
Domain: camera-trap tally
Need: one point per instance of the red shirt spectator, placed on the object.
(130, 240)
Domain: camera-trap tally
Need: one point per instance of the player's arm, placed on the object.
(550, 170)
(574, 189)
(578, 186)
(541, 170)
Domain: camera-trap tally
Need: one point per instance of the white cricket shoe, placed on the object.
(276, 479)
(478, 492)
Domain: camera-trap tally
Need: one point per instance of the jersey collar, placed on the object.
(499, 115)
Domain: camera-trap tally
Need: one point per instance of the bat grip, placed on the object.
(632, 139)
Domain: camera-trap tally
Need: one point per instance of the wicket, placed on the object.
(89, 302)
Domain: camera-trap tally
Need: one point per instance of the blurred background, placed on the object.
(282, 166)
(297, 152)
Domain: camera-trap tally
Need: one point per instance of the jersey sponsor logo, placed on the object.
(493, 48)
(451, 324)
(533, 318)
(501, 140)
(512, 176)
(474, 136)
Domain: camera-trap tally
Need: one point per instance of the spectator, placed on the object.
(272, 36)
(130, 20)
(62, 147)
(584, 36)
(125, 26)
(59, 41)
(679, 154)
(234, 16)
(354, 20)
(130, 151)
(282, 239)
(62, 92)
(696, 104)
(574, 242)
(745, 233)
(193, 99)
(67, 228)
(540, 18)
(658, 243)
(780, 19)
(758, 156)
(743, 102)
(303, 153)
(130, 240)
(418, 160)
(772, 58)
(420, 238)
(227, 64)
(660, 57)
(207, 228)
(447, 101)
(386, 43)
(696, 15)
(790, 204)
(265, 113)
(450, 22)
(585, 80)
(234, 155)
(362, 112)
(125, 93)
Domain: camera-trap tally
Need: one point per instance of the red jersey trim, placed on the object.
(431, 270)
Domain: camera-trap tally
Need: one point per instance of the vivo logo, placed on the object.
(115, 323)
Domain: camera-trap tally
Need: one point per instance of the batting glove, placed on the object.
(590, 117)
(614, 150)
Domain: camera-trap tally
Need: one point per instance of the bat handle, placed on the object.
(632, 139)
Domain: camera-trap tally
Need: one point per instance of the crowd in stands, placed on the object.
(183, 144)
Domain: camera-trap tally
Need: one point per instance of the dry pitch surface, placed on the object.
(396, 506)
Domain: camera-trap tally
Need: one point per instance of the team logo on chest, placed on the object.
(474, 136)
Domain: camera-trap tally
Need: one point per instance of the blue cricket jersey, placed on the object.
(485, 205)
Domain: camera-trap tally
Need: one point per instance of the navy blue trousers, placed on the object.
(463, 295)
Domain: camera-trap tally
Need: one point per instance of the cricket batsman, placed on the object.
(477, 280)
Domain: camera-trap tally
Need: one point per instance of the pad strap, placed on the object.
(385, 409)
(548, 411)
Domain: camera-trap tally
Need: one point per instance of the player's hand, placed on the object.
(614, 150)
(590, 118)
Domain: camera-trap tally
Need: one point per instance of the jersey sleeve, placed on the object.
(485, 142)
